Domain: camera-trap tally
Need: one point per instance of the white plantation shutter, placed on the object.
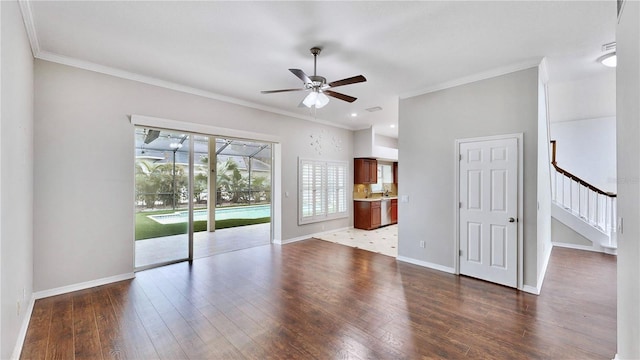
(319, 194)
(306, 189)
(322, 187)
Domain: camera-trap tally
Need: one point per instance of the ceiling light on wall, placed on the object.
(175, 145)
(354, 114)
(609, 60)
(392, 126)
(316, 99)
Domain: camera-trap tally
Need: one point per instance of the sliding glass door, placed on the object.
(164, 201)
(198, 195)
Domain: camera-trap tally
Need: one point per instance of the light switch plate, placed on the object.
(404, 198)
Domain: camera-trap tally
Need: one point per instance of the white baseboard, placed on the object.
(81, 286)
(309, 236)
(536, 289)
(577, 247)
(17, 350)
(545, 265)
(427, 264)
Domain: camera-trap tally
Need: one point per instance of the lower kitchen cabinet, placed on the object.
(366, 215)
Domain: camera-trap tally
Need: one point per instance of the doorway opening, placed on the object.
(198, 195)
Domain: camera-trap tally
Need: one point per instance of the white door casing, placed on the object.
(488, 211)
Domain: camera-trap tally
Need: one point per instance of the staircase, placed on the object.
(589, 211)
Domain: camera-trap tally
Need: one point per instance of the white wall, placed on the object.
(16, 189)
(429, 125)
(386, 141)
(84, 166)
(588, 98)
(628, 150)
(363, 143)
(563, 234)
(587, 149)
(544, 180)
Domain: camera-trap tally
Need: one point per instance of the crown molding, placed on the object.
(475, 77)
(107, 70)
(27, 17)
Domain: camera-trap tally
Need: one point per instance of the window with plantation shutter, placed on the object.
(322, 190)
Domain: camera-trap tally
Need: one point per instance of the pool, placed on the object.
(237, 212)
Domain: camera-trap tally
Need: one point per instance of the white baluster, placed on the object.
(579, 200)
(588, 206)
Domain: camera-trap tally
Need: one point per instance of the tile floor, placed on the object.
(383, 240)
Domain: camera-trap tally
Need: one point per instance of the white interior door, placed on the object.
(488, 192)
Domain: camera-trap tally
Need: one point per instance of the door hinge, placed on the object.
(460, 205)
(460, 252)
(460, 157)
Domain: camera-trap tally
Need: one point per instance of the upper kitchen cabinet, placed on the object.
(365, 171)
(395, 173)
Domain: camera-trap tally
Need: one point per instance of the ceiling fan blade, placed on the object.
(340, 96)
(279, 91)
(301, 75)
(347, 81)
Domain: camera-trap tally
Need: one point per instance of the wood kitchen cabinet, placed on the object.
(394, 211)
(365, 171)
(395, 173)
(366, 215)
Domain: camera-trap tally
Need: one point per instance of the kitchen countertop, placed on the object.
(377, 198)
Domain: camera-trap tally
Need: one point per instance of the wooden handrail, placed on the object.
(573, 177)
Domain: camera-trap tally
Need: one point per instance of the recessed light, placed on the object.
(354, 114)
(392, 126)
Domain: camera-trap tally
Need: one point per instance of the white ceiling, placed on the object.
(236, 49)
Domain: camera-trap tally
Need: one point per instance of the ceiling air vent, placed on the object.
(608, 47)
(374, 109)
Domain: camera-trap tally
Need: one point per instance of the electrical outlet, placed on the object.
(422, 244)
(18, 308)
(24, 294)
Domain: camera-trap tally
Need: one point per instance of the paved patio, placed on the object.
(168, 248)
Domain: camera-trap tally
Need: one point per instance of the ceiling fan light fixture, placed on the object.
(316, 99)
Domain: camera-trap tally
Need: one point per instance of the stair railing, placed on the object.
(591, 204)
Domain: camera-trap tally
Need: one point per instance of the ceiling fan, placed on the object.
(318, 87)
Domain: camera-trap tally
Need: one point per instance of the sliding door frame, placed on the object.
(217, 132)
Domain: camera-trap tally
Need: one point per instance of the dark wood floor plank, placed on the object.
(61, 331)
(134, 335)
(109, 329)
(210, 341)
(37, 338)
(318, 300)
(163, 340)
(87, 339)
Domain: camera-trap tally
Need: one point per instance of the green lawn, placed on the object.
(147, 228)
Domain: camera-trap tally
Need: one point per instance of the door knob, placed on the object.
(512, 219)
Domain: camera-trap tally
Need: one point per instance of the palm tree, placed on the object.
(229, 179)
(157, 181)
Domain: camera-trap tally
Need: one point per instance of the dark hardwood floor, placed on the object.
(318, 300)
